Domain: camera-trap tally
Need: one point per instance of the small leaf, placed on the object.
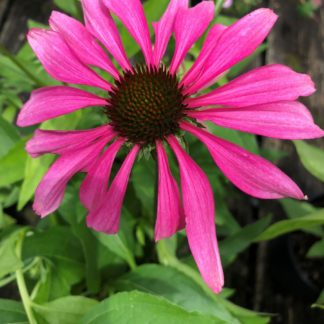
(238, 242)
(312, 158)
(35, 169)
(316, 250)
(117, 244)
(290, 225)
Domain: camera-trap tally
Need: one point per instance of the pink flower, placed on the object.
(147, 104)
(228, 3)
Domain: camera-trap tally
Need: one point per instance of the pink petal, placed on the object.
(50, 192)
(83, 44)
(170, 217)
(250, 173)
(106, 217)
(199, 210)
(209, 44)
(50, 102)
(60, 62)
(62, 142)
(285, 120)
(95, 185)
(237, 42)
(189, 25)
(262, 85)
(164, 28)
(228, 3)
(133, 17)
(100, 24)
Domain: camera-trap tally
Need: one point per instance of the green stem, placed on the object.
(21, 66)
(22, 286)
(219, 6)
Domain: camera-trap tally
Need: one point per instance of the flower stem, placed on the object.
(25, 298)
(219, 6)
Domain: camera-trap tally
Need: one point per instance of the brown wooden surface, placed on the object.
(295, 41)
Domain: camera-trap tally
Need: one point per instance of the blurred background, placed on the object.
(283, 276)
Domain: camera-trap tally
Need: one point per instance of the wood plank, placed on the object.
(14, 27)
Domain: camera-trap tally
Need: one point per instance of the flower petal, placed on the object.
(100, 24)
(170, 216)
(60, 62)
(106, 217)
(266, 84)
(250, 173)
(50, 102)
(83, 44)
(237, 42)
(95, 185)
(164, 28)
(198, 202)
(50, 191)
(133, 17)
(285, 120)
(62, 142)
(209, 44)
(189, 25)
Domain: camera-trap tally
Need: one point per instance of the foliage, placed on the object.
(66, 273)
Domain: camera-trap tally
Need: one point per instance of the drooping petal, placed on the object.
(209, 44)
(164, 28)
(198, 203)
(249, 172)
(265, 84)
(62, 142)
(170, 216)
(189, 25)
(106, 217)
(100, 24)
(50, 102)
(95, 185)
(60, 62)
(237, 42)
(133, 17)
(50, 191)
(83, 44)
(285, 120)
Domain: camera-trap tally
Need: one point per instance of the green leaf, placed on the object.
(12, 312)
(10, 262)
(35, 169)
(57, 279)
(8, 136)
(245, 140)
(316, 250)
(320, 301)
(67, 310)
(312, 158)
(290, 225)
(70, 6)
(117, 244)
(238, 242)
(139, 308)
(175, 286)
(90, 251)
(12, 165)
(143, 179)
(58, 242)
